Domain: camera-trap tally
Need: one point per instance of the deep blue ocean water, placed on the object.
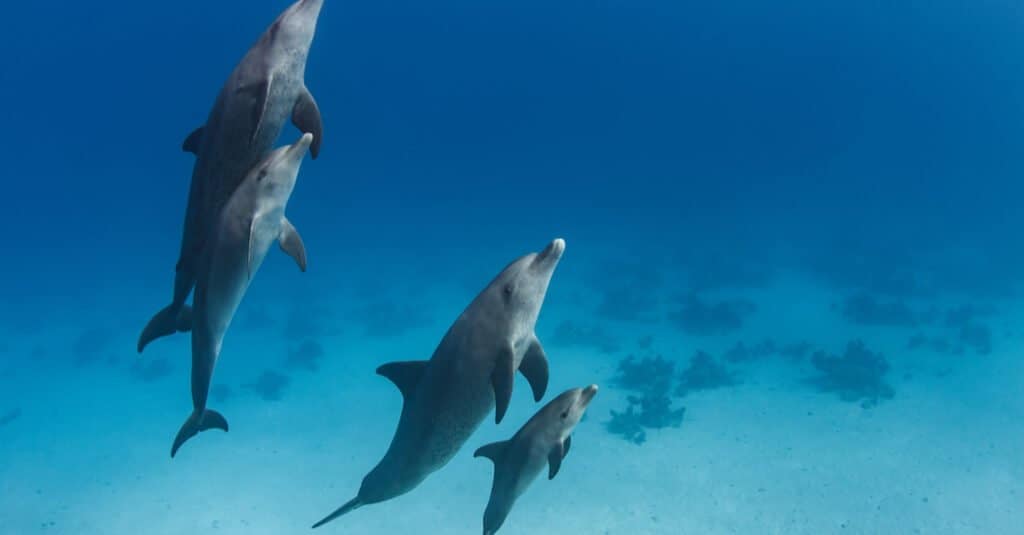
(821, 198)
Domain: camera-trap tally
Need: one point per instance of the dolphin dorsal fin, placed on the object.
(193, 141)
(535, 368)
(406, 374)
(492, 451)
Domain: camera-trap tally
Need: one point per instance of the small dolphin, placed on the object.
(265, 88)
(447, 397)
(252, 220)
(543, 440)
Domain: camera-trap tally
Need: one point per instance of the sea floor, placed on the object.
(85, 445)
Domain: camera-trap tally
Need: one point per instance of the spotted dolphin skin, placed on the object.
(265, 89)
(543, 441)
(471, 371)
(249, 224)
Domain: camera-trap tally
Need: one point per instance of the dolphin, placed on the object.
(265, 88)
(251, 221)
(472, 370)
(543, 440)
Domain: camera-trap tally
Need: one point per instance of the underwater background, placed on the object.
(794, 263)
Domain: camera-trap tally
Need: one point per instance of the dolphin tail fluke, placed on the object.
(196, 422)
(169, 320)
(352, 505)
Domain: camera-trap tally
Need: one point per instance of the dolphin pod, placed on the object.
(235, 212)
(470, 372)
(264, 89)
(252, 220)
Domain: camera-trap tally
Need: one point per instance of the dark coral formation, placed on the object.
(387, 318)
(269, 385)
(569, 333)
(971, 332)
(90, 344)
(863, 309)
(701, 318)
(704, 373)
(651, 406)
(307, 355)
(857, 375)
(649, 374)
(149, 371)
(647, 411)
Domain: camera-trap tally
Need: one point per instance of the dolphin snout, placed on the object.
(553, 251)
(588, 394)
(299, 149)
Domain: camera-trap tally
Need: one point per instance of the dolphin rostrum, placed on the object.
(543, 440)
(472, 370)
(265, 88)
(249, 224)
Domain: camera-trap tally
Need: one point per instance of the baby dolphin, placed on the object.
(265, 89)
(447, 397)
(252, 220)
(543, 440)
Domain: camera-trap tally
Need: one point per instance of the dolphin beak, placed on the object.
(299, 149)
(552, 253)
(587, 395)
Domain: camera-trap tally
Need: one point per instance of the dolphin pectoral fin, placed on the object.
(565, 446)
(352, 505)
(555, 460)
(291, 243)
(492, 451)
(501, 379)
(535, 368)
(406, 374)
(306, 117)
(193, 141)
(259, 93)
(197, 422)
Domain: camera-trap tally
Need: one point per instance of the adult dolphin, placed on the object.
(471, 371)
(265, 88)
(252, 220)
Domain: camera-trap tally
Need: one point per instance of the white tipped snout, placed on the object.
(588, 394)
(553, 252)
(301, 147)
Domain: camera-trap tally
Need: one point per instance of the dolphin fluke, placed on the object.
(196, 422)
(169, 320)
(352, 505)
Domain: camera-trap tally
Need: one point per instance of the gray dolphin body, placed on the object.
(543, 441)
(472, 370)
(250, 222)
(265, 88)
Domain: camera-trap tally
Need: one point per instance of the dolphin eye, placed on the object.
(565, 414)
(262, 175)
(508, 289)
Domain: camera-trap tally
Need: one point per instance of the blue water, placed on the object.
(822, 197)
